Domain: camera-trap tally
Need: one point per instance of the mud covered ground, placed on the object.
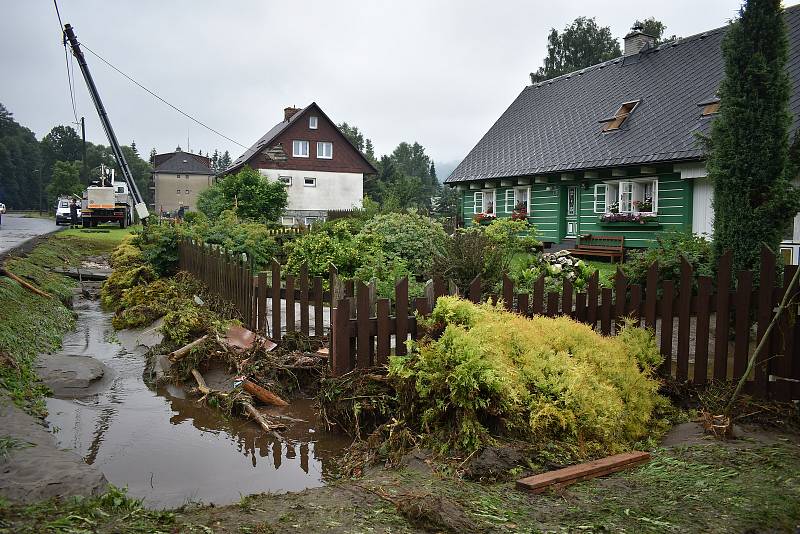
(692, 484)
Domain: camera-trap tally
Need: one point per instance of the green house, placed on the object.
(613, 149)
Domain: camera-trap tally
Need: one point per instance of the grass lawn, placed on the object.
(606, 269)
(101, 237)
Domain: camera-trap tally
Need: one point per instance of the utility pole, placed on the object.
(83, 158)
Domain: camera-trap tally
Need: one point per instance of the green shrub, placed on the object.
(541, 380)
(387, 273)
(468, 254)
(248, 193)
(239, 237)
(512, 236)
(556, 268)
(408, 236)
(671, 246)
(323, 245)
(159, 246)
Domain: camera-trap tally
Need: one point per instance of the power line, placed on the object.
(95, 54)
(70, 79)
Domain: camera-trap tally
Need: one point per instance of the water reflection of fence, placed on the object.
(705, 331)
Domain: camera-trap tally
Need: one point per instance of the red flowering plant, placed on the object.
(520, 212)
(480, 217)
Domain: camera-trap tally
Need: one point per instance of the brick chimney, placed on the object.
(637, 40)
(289, 112)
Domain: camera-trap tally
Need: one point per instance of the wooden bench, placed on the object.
(607, 246)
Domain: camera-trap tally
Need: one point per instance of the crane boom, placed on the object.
(141, 208)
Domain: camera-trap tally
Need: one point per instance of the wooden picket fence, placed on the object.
(704, 333)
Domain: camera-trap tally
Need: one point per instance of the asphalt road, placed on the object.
(16, 230)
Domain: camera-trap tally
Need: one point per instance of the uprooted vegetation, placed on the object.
(483, 376)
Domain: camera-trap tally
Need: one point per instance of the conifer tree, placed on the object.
(748, 150)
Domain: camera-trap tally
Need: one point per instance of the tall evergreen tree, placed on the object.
(224, 161)
(748, 150)
(20, 164)
(153, 154)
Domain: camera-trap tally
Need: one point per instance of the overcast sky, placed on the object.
(437, 72)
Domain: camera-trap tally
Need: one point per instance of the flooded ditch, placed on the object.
(166, 448)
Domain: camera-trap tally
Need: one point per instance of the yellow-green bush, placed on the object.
(543, 380)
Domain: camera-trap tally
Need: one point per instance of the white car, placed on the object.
(62, 212)
(2, 211)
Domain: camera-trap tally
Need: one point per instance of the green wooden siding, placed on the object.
(548, 209)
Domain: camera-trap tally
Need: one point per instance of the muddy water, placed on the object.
(166, 448)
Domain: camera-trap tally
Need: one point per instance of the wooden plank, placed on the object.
(620, 298)
(566, 298)
(363, 339)
(605, 311)
(702, 330)
(304, 299)
(635, 304)
(591, 295)
(684, 320)
(651, 296)
(384, 332)
(584, 471)
(475, 290)
(580, 307)
(667, 300)
(783, 364)
(765, 306)
(722, 325)
(522, 304)
(262, 303)
(741, 348)
(508, 293)
(401, 316)
(276, 301)
(333, 282)
(439, 288)
(340, 355)
(319, 319)
(552, 304)
(538, 296)
(290, 318)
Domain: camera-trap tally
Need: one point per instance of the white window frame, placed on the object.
(290, 221)
(321, 152)
(510, 196)
(477, 199)
(625, 193)
(600, 191)
(311, 220)
(313, 181)
(297, 148)
(489, 196)
(313, 122)
(285, 180)
(526, 193)
(187, 192)
(177, 191)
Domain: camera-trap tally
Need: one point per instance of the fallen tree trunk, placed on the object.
(176, 355)
(259, 417)
(23, 283)
(264, 395)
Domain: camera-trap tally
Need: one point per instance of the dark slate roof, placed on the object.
(265, 140)
(183, 163)
(553, 126)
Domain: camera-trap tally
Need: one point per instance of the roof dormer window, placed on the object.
(312, 122)
(615, 121)
(710, 107)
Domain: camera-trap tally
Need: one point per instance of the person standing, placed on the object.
(73, 213)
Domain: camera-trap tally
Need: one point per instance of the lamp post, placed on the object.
(39, 185)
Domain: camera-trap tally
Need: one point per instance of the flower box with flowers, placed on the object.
(484, 218)
(641, 219)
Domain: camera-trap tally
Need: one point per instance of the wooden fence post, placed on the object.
(363, 338)
(684, 320)
(340, 356)
(765, 313)
(741, 347)
(401, 316)
(702, 330)
(304, 299)
(723, 315)
(276, 301)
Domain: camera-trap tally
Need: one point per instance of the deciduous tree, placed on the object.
(582, 44)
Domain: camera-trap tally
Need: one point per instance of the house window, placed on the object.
(311, 220)
(187, 192)
(710, 109)
(312, 122)
(324, 150)
(287, 221)
(309, 182)
(517, 200)
(300, 149)
(629, 196)
(285, 180)
(178, 176)
(484, 201)
(178, 192)
(614, 122)
(572, 193)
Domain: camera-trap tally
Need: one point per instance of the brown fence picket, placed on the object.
(508, 293)
(276, 301)
(319, 319)
(741, 348)
(566, 298)
(591, 296)
(605, 311)
(783, 364)
(765, 307)
(635, 304)
(401, 313)
(552, 304)
(651, 296)
(290, 315)
(304, 299)
(723, 316)
(340, 355)
(684, 320)
(538, 296)
(702, 330)
(475, 290)
(620, 298)
(667, 314)
(580, 307)
(262, 303)
(522, 304)
(363, 338)
(384, 332)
